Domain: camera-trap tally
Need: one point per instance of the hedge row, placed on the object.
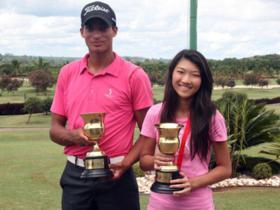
(275, 100)
(13, 109)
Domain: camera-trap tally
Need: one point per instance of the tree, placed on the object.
(251, 79)
(46, 105)
(10, 84)
(15, 64)
(248, 124)
(41, 80)
(7, 69)
(263, 82)
(4, 82)
(41, 64)
(14, 85)
(220, 81)
(230, 83)
(273, 149)
(31, 106)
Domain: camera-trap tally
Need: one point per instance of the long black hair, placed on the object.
(202, 108)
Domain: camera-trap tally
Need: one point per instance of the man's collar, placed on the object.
(112, 69)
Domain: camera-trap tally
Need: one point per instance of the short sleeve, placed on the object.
(58, 104)
(218, 130)
(141, 89)
(152, 117)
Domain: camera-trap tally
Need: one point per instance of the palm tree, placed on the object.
(248, 124)
(272, 149)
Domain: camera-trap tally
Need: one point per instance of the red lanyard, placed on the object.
(183, 143)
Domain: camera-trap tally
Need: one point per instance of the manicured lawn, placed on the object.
(241, 199)
(251, 93)
(31, 165)
(37, 120)
(23, 93)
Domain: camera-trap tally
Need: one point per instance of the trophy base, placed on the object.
(163, 188)
(162, 183)
(96, 167)
(96, 173)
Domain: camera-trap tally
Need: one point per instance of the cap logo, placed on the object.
(95, 8)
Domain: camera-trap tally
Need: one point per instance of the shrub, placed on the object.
(278, 81)
(247, 164)
(262, 171)
(10, 109)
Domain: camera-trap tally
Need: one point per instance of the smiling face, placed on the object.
(98, 35)
(186, 79)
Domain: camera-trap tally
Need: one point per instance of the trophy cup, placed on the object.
(96, 162)
(168, 144)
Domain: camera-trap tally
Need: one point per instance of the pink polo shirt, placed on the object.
(199, 199)
(119, 90)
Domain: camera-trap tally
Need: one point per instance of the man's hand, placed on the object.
(79, 138)
(118, 170)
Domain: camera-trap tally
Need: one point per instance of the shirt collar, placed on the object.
(112, 69)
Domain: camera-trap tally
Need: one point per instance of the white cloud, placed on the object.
(238, 28)
(232, 28)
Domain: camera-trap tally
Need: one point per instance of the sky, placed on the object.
(147, 28)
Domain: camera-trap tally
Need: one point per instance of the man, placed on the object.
(100, 82)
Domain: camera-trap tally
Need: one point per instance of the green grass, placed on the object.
(247, 199)
(23, 93)
(251, 93)
(37, 120)
(31, 165)
(241, 199)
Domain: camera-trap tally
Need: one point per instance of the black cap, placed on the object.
(100, 10)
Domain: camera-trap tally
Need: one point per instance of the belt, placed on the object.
(80, 162)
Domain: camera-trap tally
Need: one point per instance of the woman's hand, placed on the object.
(182, 183)
(161, 159)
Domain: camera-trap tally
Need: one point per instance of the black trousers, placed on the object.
(96, 194)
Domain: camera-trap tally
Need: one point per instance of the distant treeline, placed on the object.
(266, 66)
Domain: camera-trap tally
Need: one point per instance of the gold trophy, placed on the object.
(96, 162)
(168, 144)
